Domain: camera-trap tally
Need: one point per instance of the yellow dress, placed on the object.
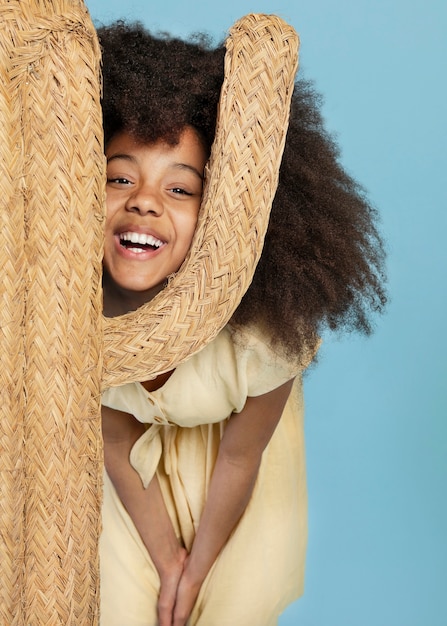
(261, 568)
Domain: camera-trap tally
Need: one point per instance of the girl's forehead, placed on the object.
(187, 136)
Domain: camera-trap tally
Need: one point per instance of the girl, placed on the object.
(206, 524)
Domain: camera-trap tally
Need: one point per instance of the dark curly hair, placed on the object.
(323, 257)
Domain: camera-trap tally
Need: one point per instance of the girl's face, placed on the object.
(153, 198)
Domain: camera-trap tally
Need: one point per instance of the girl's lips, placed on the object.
(142, 239)
(141, 246)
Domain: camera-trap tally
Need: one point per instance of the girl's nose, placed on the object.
(143, 201)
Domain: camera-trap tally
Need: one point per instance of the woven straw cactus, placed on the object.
(54, 338)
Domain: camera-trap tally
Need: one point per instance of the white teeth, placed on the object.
(141, 238)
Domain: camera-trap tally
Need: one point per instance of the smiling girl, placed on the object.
(204, 514)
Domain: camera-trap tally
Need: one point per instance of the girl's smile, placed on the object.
(153, 199)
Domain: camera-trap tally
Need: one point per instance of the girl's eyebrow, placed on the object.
(125, 157)
(191, 168)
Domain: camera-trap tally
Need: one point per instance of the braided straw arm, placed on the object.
(260, 67)
(53, 242)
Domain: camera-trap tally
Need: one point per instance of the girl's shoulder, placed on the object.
(264, 364)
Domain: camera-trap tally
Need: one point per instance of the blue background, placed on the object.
(376, 408)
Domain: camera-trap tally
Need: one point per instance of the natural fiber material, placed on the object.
(12, 357)
(51, 212)
(52, 197)
(241, 181)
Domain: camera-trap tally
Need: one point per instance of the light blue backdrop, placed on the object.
(376, 408)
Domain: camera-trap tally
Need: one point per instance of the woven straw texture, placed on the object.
(52, 208)
(51, 228)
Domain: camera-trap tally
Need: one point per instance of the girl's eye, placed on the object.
(180, 191)
(119, 181)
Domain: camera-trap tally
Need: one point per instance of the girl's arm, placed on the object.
(145, 506)
(245, 438)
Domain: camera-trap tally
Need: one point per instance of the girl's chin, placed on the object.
(123, 287)
(143, 291)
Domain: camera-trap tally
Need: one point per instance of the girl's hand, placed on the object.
(187, 592)
(169, 583)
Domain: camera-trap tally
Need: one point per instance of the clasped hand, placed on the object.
(178, 593)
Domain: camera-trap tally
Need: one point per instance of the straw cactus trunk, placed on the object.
(12, 356)
(51, 312)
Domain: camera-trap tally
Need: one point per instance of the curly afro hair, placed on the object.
(155, 86)
(322, 264)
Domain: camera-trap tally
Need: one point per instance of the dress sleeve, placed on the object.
(264, 367)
